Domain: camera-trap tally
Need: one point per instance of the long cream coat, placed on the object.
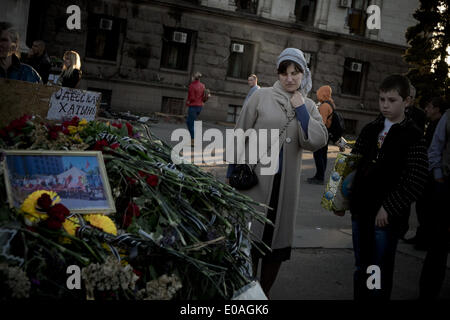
(264, 111)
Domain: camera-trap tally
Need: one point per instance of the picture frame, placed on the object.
(78, 177)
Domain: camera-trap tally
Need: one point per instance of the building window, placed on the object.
(356, 17)
(309, 57)
(103, 37)
(353, 76)
(176, 48)
(172, 105)
(240, 63)
(233, 113)
(249, 6)
(305, 10)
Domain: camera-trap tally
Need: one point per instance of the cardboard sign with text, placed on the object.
(19, 98)
(67, 103)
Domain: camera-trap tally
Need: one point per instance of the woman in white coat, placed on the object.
(284, 105)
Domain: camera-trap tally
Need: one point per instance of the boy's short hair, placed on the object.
(396, 82)
(253, 76)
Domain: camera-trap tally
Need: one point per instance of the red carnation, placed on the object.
(44, 202)
(132, 211)
(59, 212)
(99, 145)
(117, 125)
(131, 181)
(114, 146)
(54, 224)
(152, 180)
(130, 129)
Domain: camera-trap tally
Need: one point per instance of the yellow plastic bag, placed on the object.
(335, 196)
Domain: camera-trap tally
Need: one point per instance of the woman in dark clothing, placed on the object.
(71, 74)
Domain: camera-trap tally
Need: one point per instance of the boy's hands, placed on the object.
(381, 220)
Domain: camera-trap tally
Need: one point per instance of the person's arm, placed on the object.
(436, 148)
(189, 98)
(411, 183)
(314, 134)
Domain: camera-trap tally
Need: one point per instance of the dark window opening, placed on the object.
(233, 113)
(356, 17)
(176, 48)
(105, 102)
(240, 63)
(305, 10)
(103, 37)
(172, 105)
(353, 76)
(249, 6)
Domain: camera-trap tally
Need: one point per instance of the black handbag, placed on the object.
(243, 176)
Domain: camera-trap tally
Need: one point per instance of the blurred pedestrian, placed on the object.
(10, 65)
(326, 108)
(39, 60)
(253, 83)
(70, 76)
(416, 114)
(197, 95)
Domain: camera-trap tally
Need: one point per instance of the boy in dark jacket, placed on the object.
(389, 177)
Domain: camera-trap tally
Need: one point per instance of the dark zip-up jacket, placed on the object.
(392, 176)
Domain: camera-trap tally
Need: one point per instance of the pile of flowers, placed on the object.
(178, 233)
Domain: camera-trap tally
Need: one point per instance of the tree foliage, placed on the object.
(426, 56)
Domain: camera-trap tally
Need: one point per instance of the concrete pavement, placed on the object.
(322, 259)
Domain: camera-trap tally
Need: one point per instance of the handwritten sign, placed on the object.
(67, 103)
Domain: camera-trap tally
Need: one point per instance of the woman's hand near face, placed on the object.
(297, 99)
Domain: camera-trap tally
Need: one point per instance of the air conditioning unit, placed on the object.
(237, 47)
(345, 3)
(356, 67)
(307, 57)
(180, 37)
(106, 24)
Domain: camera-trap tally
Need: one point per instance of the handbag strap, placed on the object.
(281, 133)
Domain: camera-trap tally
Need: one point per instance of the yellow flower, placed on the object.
(102, 222)
(82, 122)
(31, 214)
(70, 225)
(72, 129)
(77, 139)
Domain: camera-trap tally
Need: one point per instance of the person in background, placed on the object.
(195, 102)
(433, 111)
(416, 114)
(10, 65)
(70, 76)
(390, 175)
(435, 264)
(39, 60)
(253, 83)
(320, 156)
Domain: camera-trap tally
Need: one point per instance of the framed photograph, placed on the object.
(79, 178)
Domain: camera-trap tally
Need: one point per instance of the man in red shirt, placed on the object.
(195, 101)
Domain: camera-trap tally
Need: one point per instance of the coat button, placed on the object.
(288, 140)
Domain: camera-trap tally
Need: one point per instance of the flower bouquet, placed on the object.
(178, 233)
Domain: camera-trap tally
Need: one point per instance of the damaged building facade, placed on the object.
(141, 54)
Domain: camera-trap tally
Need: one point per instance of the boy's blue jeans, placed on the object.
(373, 245)
(193, 113)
